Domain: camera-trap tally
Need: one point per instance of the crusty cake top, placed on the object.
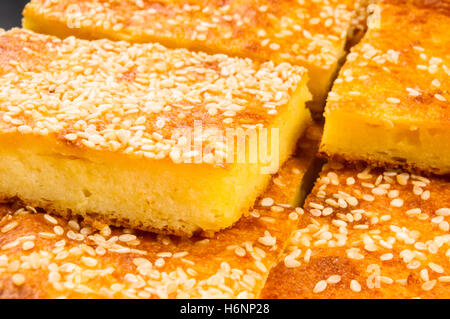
(297, 31)
(368, 233)
(117, 96)
(400, 70)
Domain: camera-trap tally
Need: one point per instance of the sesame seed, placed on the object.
(50, 219)
(436, 83)
(427, 286)
(355, 286)
(28, 245)
(445, 279)
(9, 226)
(267, 202)
(436, 268)
(71, 137)
(241, 252)
(393, 100)
(413, 92)
(267, 240)
(18, 279)
(397, 202)
(274, 46)
(334, 279)
(320, 287)
(127, 238)
(387, 256)
(444, 226)
(160, 262)
(402, 178)
(315, 205)
(88, 261)
(276, 209)
(425, 195)
(58, 230)
(413, 212)
(443, 212)
(424, 275)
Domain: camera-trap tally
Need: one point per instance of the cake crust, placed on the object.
(368, 233)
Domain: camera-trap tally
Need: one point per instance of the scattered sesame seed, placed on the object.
(397, 202)
(393, 100)
(18, 279)
(320, 287)
(355, 286)
(266, 202)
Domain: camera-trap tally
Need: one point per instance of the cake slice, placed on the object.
(368, 233)
(44, 256)
(140, 135)
(308, 33)
(391, 101)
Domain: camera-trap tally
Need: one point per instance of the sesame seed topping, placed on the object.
(320, 286)
(138, 106)
(18, 279)
(355, 286)
(393, 100)
(397, 202)
(266, 202)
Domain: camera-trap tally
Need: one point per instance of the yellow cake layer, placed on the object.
(390, 103)
(91, 128)
(86, 259)
(308, 33)
(368, 233)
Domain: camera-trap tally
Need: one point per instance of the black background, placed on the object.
(11, 13)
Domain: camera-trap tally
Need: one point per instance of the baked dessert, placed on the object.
(45, 256)
(390, 103)
(368, 233)
(309, 33)
(138, 135)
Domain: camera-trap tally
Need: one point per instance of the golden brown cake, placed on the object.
(368, 233)
(44, 256)
(138, 135)
(391, 102)
(309, 33)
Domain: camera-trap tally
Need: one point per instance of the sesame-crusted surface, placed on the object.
(391, 101)
(399, 72)
(309, 33)
(368, 233)
(114, 96)
(43, 256)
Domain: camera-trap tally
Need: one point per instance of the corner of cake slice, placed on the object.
(391, 102)
(140, 135)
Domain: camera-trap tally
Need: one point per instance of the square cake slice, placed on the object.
(140, 135)
(85, 259)
(308, 33)
(391, 102)
(368, 233)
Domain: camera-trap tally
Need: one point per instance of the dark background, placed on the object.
(11, 13)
